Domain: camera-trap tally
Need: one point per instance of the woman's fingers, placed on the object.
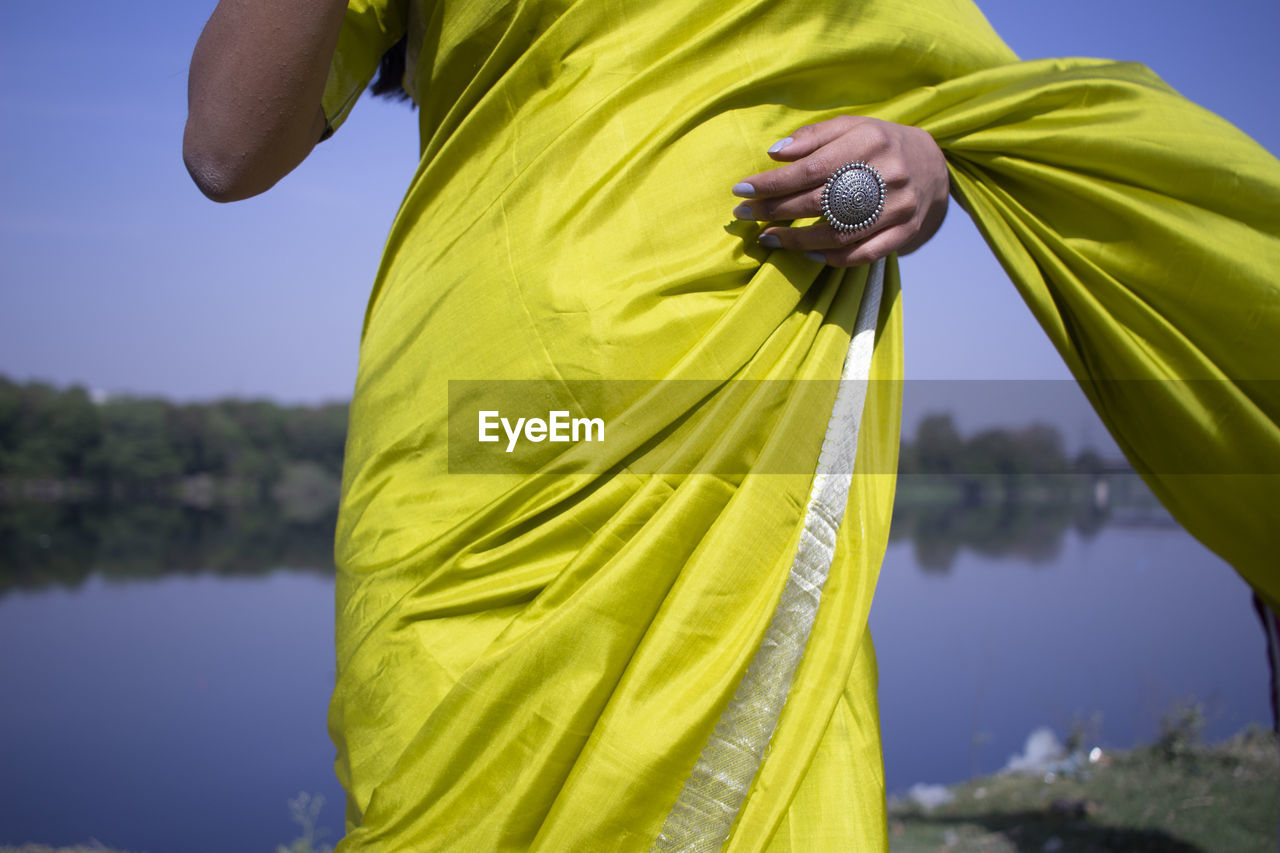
(805, 140)
(794, 191)
(814, 152)
(822, 236)
(796, 206)
(873, 248)
(909, 161)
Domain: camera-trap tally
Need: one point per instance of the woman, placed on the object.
(659, 641)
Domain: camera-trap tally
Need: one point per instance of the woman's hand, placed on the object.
(914, 172)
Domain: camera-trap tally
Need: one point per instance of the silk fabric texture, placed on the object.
(536, 661)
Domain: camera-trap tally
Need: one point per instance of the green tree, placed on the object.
(937, 446)
(136, 442)
(45, 432)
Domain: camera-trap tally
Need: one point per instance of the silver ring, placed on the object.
(853, 197)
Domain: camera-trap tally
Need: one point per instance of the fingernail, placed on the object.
(743, 189)
(769, 241)
(743, 211)
(780, 144)
(817, 257)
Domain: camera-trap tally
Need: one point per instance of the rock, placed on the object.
(929, 797)
(1042, 750)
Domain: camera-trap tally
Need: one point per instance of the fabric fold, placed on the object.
(536, 659)
(1144, 234)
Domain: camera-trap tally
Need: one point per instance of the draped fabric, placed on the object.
(540, 659)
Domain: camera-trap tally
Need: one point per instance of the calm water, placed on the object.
(1109, 632)
(161, 712)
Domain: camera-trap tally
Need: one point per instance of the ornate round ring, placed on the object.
(853, 197)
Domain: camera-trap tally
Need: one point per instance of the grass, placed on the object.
(1173, 796)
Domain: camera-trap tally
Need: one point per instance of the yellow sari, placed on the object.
(662, 644)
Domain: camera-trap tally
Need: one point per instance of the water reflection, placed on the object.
(1002, 518)
(208, 681)
(60, 544)
(45, 545)
(1103, 637)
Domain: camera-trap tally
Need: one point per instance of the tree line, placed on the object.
(128, 443)
(131, 443)
(1030, 451)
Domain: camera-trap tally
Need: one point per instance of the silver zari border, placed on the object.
(703, 814)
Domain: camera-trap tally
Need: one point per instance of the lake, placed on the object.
(167, 672)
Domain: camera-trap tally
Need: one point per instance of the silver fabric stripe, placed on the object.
(703, 814)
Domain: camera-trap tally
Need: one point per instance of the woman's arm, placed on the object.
(254, 93)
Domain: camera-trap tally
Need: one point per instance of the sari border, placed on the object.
(702, 817)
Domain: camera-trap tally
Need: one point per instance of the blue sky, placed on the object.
(117, 274)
